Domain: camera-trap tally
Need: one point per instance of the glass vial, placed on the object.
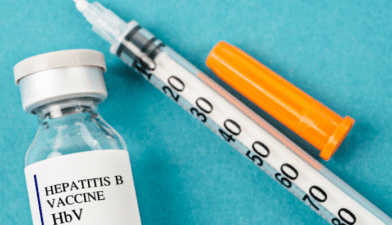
(77, 168)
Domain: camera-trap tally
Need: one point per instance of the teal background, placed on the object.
(338, 51)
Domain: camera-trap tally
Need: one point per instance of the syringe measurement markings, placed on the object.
(203, 118)
(249, 113)
(283, 180)
(253, 116)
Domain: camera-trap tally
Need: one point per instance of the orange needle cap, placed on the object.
(307, 117)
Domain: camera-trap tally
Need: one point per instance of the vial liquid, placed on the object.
(77, 168)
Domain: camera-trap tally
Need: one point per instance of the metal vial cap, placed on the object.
(60, 75)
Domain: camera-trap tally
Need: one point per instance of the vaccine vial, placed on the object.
(77, 168)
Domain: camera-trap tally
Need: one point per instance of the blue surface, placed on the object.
(338, 51)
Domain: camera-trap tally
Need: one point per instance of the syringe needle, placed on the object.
(81, 5)
(105, 23)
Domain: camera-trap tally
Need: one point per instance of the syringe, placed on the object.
(249, 134)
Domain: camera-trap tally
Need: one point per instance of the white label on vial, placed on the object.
(86, 188)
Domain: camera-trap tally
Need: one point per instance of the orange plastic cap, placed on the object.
(307, 117)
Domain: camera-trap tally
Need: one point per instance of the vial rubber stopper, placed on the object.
(60, 75)
(307, 117)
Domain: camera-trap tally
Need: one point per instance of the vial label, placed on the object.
(86, 188)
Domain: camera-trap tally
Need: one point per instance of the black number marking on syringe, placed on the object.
(177, 85)
(232, 127)
(175, 97)
(261, 150)
(343, 217)
(203, 105)
(198, 115)
(318, 194)
(139, 67)
(289, 174)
